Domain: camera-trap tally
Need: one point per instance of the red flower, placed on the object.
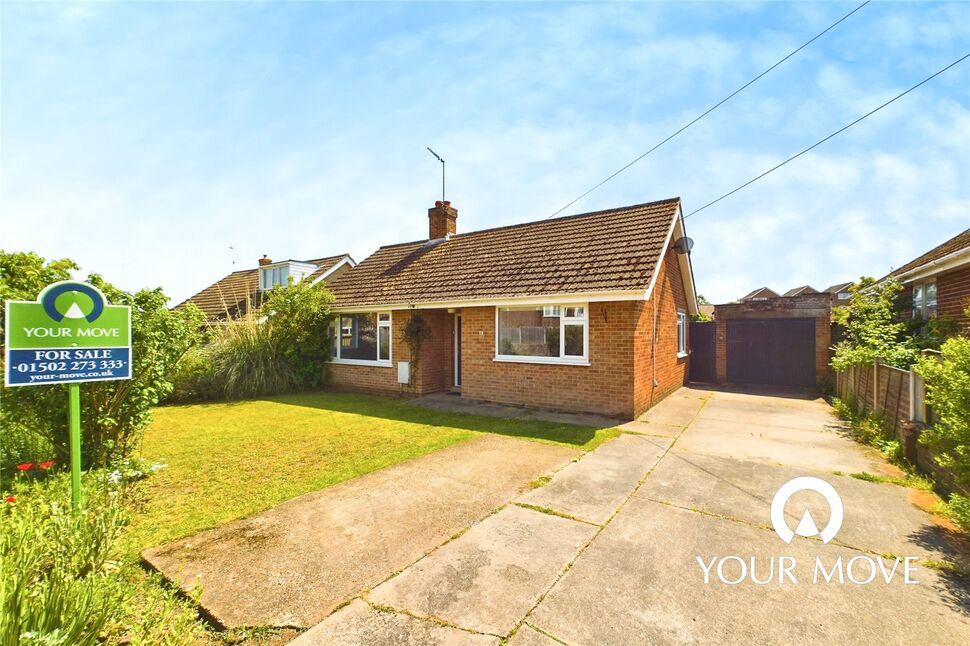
(47, 465)
(25, 466)
(10, 499)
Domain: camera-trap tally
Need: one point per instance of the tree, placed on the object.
(299, 315)
(871, 328)
(113, 413)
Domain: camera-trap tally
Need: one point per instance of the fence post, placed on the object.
(875, 385)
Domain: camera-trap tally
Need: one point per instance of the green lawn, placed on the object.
(228, 461)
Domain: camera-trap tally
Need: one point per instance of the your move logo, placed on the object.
(806, 526)
(861, 569)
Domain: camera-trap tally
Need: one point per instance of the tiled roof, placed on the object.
(804, 289)
(956, 243)
(238, 293)
(769, 293)
(839, 287)
(613, 250)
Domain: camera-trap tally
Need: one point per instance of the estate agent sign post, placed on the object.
(69, 335)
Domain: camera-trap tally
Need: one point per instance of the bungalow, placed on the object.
(937, 283)
(583, 313)
(242, 292)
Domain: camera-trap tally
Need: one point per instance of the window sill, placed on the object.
(362, 362)
(682, 355)
(553, 361)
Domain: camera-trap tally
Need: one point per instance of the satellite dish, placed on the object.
(683, 245)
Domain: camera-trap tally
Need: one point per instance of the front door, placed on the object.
(457, 366)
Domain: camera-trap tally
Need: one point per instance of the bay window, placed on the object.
(363, 337)
(542, 333)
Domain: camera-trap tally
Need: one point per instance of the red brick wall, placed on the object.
(669, 370)
(605, 386)
(953, 295)
(433, 370)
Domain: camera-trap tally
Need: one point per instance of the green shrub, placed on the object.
(281, 348)
(194, 378)
(247, 361)
(958, 508)
(58, 569)
(21, 444)
(299, 315)
(872, 428)
(871, 328)
(113, 413)
(948, 392)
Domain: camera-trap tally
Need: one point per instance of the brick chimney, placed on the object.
(265, 261)
(441, 220)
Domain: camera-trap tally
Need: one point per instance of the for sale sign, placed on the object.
(70, 334)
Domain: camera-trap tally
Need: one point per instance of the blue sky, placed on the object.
(144, 140)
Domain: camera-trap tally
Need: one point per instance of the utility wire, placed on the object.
(822, 141)
(715, 106)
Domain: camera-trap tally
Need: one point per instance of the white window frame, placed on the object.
(336, 330)
(681, 334)
(564, 320)
(926, 300)
(919, 304)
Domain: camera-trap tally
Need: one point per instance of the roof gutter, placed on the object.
(949, 261)
(540, 299)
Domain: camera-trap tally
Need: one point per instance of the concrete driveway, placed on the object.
(610, 551)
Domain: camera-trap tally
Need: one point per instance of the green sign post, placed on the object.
(71, 335)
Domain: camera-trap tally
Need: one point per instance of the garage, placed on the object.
(783, 341)
(776, 352)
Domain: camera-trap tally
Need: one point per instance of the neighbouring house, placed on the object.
(242, 292)
(583, 313)
(840, 293)
(760, 294)
(706, 309)
(801, 291)
(937, 283)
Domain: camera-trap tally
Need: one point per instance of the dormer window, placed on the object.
(279, 273)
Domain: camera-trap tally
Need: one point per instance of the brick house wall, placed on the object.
(813, 306)
(619, 380)
(670, 370)
(953, 295)
(432, 373)
(605, 386)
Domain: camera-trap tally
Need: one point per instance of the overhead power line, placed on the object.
(716, 105)
(822, 141)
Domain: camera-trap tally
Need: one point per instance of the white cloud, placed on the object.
(206, 136)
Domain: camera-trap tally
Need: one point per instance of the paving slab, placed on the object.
(880, 518)
(593, 488)
(676, 410)
(488, 579)
(357, 624)
(816, 448)
(652, 428)
(291, 565)
(527, 636)
(639, 583)
(768, 411)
